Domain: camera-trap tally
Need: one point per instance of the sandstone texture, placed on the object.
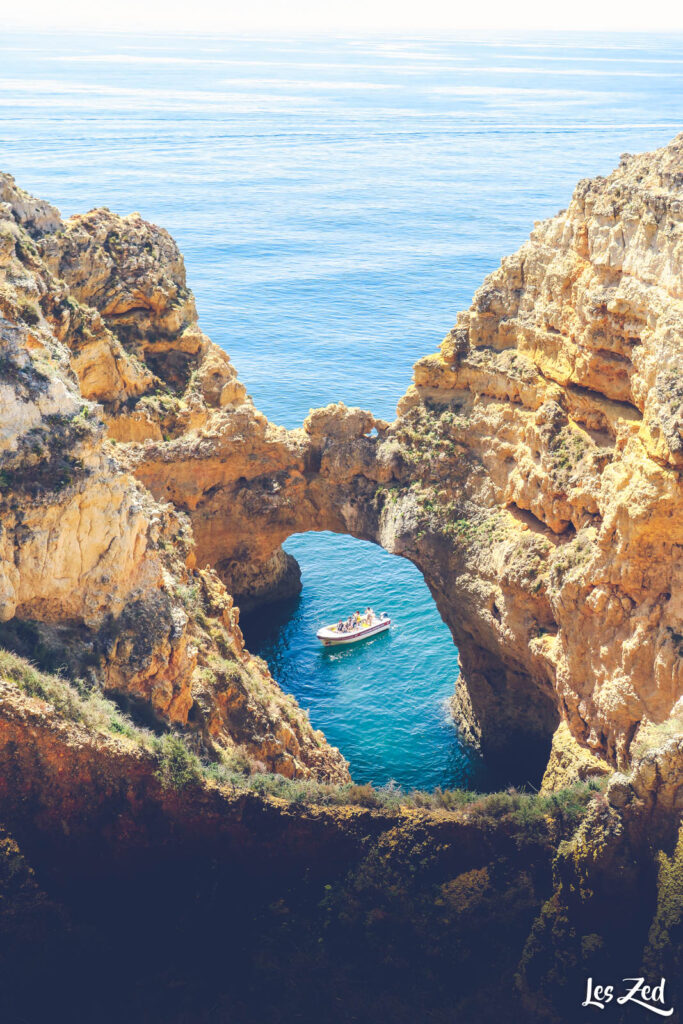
(533, 474)
(95, 575)
(568, 369)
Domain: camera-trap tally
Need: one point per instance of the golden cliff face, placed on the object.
(533, 474)
(568, 367)
(95, 575)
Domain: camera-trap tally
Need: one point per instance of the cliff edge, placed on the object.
(96, 577)
(533, 473)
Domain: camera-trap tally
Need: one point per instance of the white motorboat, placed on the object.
(366, 626)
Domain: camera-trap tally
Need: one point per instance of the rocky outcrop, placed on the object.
(593, 920)
(567, 370)
(95, 575)
(338, 905)
(501, 903)
(533, 474)
(569, 762)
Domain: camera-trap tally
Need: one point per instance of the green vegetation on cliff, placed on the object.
(180, 767)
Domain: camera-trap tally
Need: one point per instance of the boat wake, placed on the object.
(353, 629)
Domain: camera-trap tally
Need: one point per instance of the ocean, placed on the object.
(337, 201)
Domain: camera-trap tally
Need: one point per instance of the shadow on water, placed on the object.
(333, 653)
(384, 701)
(262, 627)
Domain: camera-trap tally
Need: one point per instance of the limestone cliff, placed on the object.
(567, 373)
(533, 473)
(95, 575)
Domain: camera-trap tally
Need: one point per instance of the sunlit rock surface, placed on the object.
(533, 474)
(95, 575)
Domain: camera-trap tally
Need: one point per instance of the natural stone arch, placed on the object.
(532, 473)
(251, 485)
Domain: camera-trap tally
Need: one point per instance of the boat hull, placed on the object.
(331, 638)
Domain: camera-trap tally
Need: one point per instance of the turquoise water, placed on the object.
(337, 202)
(383, 702)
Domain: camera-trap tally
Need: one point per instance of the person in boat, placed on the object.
(369, 615)
(340, 626)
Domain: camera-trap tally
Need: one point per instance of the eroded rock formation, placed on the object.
(95, 575)
(533, 474)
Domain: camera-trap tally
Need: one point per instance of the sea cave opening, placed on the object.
(386, 701)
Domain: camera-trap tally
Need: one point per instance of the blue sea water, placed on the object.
(337, 201)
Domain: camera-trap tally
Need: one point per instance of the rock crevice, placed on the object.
(533, 472)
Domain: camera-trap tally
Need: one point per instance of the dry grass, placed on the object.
(73, 700)
(650, 736)
(179, 767)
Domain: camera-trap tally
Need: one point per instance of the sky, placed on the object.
(294, 17)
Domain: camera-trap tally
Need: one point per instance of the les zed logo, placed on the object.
(639, 993)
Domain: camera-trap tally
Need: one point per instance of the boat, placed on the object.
(332, 636)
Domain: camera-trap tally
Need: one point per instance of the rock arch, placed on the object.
(533, 472)
(249, 485)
